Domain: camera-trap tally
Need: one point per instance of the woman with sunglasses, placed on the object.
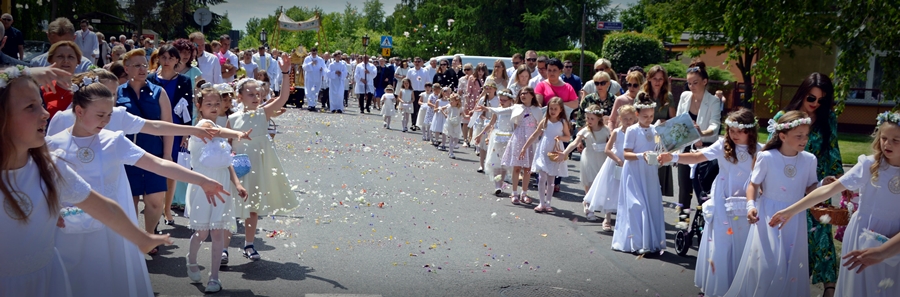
(815, 97)
(705, 110)
(633, 82)
(446, 76)
(603, 65)
(602, 97)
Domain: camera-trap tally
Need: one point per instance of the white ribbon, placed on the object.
(181, 109)
(771, 127)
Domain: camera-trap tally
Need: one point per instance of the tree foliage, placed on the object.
(627, 49)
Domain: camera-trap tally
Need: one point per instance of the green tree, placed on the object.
(374, 14)
(627, 49)
(633, 18)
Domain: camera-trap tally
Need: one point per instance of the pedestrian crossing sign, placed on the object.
(387, 41)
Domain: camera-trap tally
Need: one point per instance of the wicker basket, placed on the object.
(557, 155)
(839, 216)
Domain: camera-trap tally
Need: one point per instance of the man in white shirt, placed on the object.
(276, 78)
(313, 70)
(210, 70)
(542, 72)
(531, 61)
(418, 77)
(87, 42)
(432, 69)
(337, 75)
(58, 30)
(365, 89)
(225, 49)
(511, 71)
(265, 62)
(326, 83)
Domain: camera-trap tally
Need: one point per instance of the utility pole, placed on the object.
(583, 20)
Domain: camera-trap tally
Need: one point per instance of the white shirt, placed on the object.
(418, 78)
(431, 72)
(210, 70)
(233, 60)
(88, 43)
(511, 72)
(535, 80)
(337, 81)
(360, 75)
(120, 120)
(249, 67)
(313, 70)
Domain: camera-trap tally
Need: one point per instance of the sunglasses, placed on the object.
(443, 64)
(531, 59)
(633, 85)
(467, 69)
(811, 99)
(601, 83)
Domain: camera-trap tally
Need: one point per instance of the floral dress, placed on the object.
(823, 265)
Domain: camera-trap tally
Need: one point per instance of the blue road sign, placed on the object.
(609, 26)
(387, 42)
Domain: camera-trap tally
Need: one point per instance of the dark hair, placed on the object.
(169, 49)
(554, 62)
(543, 59)
(264, 74)
(638, 69)
(742, 116)
(790, 116)
(518, 55)
(118, 68)
(826, 104)
(184, 45)
(699, 67)
(568, 62)
(91, 93)
(529, 90)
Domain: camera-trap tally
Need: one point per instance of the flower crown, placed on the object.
(240, 84)
(774, 126)
(734, 124)
(11, 73)
(85, 81)
(223, 88)
(639, 106)
(505, 93)
(888, 116)
(596, 112)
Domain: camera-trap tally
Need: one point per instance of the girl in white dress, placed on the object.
(604, 192)
(431, 94)
(211, 220)
(268, 187)
(723, 236)
(524, 118)
(877, 178)
(33, 186)
(437, 122)
(425, 113)
(452, 126)
(555, 130)
(90, 251)
(595, 136)
(388, 106)
(406, 97)
(775, 261)
(479, 119)
(640, 225)
(500, 129)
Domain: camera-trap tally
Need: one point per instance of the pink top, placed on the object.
(564, 92)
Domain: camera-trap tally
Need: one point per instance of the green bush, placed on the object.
(575, 56)
(626, 49)
(677, 69)
(719, 74)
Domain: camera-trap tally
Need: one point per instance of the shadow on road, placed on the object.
(263, 270)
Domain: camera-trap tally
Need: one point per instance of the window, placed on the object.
(868, 91)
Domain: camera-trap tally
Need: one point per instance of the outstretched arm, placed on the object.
(111, 214)
(278, 102)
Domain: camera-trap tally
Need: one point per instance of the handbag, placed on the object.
(241, 163)
(216, 154)
(736, 206)
(871, 239)
(184, 158)
(557, 155)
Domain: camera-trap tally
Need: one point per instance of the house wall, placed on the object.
(712, 59)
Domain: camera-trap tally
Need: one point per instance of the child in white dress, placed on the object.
(91, 251)
(640, 225)
(604, 192)
(33, 185)
(268, 187)
(724, 236)
(594, 136)
(425, 113)
(211, 220)
(452, 125)
(500, 129)
(388, 106)
(479, 120)
(405, 100)
(775, 261)
(437, 122)
(877, 178)
(553, 130)
(525, 117)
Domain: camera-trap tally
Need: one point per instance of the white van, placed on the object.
(474, 60)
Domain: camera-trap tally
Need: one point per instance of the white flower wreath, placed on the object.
(888, 116)
(734, 124)
(11, 73)
(774, 126)
(645, 106)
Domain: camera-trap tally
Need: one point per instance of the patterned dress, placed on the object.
(525, 120)
(823, 265)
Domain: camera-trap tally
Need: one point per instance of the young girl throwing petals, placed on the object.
(268, 187)
(604, 192)
(425, 113)
(525, 117)
(406, 100)
(479, 119)
(452, 125)
(877, 178)
(775, 259)
(639, 217)
(553, 130)
(595, 136)
(211, 220)
(723, 236)
(437, 123)
(388, 106)
(500, 129)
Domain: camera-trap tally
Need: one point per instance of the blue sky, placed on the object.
(239, 11)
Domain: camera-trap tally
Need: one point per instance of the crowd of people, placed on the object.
(173, 124)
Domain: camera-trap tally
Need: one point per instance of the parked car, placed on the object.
(34, 48)
(474, 60)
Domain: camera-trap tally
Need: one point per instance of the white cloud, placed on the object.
(240, 11)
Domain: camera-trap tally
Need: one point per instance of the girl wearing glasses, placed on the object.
(815, 97)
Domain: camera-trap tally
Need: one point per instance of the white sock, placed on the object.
(247, 243)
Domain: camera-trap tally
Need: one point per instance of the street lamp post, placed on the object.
(365, 42)
(262, 38)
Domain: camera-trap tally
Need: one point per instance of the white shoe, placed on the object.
(591, 217)
(213, 286)
(194, 276)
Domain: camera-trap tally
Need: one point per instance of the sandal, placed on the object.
(524, 198)
(224, 257)
(514, 199)
(154, 251)
(252, 255)
(549, 209)
(538, 209)
(606, 226)
(194, 276)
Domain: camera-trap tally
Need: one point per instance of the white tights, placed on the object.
(545, 188)
(218, 244)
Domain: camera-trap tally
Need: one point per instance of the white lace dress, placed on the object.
(640, 221)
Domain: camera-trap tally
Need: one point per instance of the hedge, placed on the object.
(575, 56)
(678, 69)
(627, 49)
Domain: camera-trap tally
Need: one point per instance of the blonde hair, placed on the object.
(601, 75)
(878, 152)
(635, 75)
(625, 109)
(790, 116)
(590, 110)
(134, 53)
(56, 46)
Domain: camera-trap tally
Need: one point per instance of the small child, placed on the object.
(437, 123)
(524, 119)
(604, 192)
(479, 120)
(595, 136)
(406, 98)
(500, 130)
(388, 106)
(775, 260)
(426, 111)
(452, 126)
(553, 131)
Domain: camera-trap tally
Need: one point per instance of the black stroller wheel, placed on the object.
(683, 242)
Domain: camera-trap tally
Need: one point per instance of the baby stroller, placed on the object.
(702, 176)
(684, 238)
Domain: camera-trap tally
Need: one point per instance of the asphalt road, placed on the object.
(440, 231)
